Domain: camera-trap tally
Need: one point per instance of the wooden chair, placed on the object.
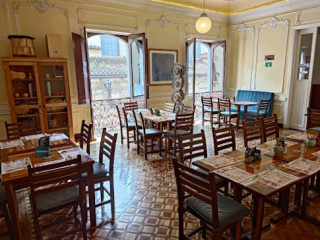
(102, 173)
(253, 130)
(129, 106)
(54, 187)
(207, 107)
(128, 125)
(85, 135)
(146, 137)
(197, 194)
(169, 107)
(16, 130)
(261, 112)
(188, 109)
(4, 210)
(183, 125)
(223, 138)
(192, 146)
(270, 127)
(313, 119)
(224, 107)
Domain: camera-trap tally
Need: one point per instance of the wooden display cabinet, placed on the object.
(38, 91)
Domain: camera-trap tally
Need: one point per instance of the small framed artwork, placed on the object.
(160, 66)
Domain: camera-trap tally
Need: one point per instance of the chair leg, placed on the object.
(101, 191)
(202, 118)
(83, 209)
(160, 145)
(37, 227)
(238, 230)
(121, 133)
(145, 148)
(166, 140)
(128, 139)
(211, 118)
(75, 208)
(112, 198)
(7, 219)
(138, 143)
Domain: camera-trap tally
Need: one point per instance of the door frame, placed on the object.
(293, 65)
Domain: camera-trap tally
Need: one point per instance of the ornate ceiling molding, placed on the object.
(41, 5)
(272, 23)
(162, 21)
(241, 29)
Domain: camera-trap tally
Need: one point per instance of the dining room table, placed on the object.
(16, 154)
(159, 121)
(271, 174)
(238, 104)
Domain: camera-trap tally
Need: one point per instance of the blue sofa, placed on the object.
(253, 96)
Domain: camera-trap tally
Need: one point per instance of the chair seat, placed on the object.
(150, 131)
(226, 113)
(211, 110)
(315, 128)
(179, 132)
(53, 200)
(229, 211)
(130, 125)
(99, 171)
(3, 197)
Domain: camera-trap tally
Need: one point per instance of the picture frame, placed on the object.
(160, 64)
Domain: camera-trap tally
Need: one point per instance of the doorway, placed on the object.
(306, 77)
(117, 75)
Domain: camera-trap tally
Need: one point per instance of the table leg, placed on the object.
(284, 198)
(91, 196)
(257, 220)
(13, 210)
(305, 197)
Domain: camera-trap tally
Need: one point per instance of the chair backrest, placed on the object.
(270, 127)
(16, 130)
(143, 124)
(184, 121)
(253, 130)
(263, 107)
(192, 146)
(313, 118)
(224, 104)
(85, 135)
(223, 138)
(197, 184)
(121, 116)
(129, 106)
(206, 103)
(54, 178)
(188, 109)
(107, 148)
(169, 107)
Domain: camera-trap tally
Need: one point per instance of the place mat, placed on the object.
(316, 154)
(11, 143)
(49, 163)
(34, 136)
(72, 153)
(304, 166)
(275, 178)
(57, 137)
(298, 136)
(287, 142)
(220, 161)
(235, 174)
(16, 165)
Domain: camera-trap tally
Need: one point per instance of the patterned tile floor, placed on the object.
(146, 203)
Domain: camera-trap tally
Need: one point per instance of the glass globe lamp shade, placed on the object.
(203, 23)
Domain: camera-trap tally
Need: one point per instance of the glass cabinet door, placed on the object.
(52, 77)
(25, 94)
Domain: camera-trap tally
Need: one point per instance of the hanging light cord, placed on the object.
(204, 4)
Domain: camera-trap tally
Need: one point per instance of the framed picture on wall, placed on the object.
(160, 66)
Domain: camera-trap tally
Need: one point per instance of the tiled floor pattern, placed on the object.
(146, 203)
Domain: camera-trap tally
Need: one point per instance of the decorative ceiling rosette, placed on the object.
(177, 84)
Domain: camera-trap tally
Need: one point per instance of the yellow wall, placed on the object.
(163, 31)
(250, 41)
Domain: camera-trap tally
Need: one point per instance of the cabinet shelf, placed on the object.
(41, 76)
(25, 98)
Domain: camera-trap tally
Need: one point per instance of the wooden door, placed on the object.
(303, 70)
(190, 72)
(137, 45)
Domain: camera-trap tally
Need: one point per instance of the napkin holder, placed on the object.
(157, 112)
(252, 154)
(43, 150)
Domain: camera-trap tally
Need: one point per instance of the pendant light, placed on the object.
(203, 23)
